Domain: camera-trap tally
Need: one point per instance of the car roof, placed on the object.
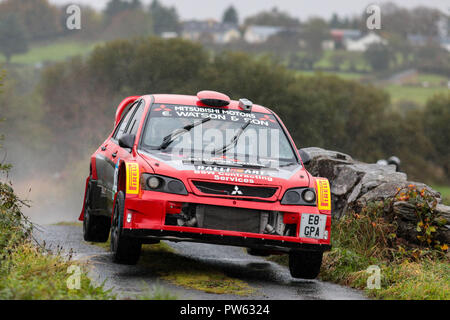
(194, 101)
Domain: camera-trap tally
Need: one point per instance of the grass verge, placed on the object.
(30, 273)
(445, 193)
(69, 223)
(408, 271)
(56, 51)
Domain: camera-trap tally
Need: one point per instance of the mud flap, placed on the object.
(81, 217)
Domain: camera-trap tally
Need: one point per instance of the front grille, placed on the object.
(234, 190)
(233, 219)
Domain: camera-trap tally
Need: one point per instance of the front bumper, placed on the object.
(239, 241)
(148, 211)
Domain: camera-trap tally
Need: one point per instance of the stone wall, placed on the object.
(354, 184)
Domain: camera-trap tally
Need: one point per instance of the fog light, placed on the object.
(292, 197)
(175, 186)
(309, 196)
(325, 235)
(153, 182)
(129, 217)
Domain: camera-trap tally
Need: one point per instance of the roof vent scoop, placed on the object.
(245, 105)
(213, 98)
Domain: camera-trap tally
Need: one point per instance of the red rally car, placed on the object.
(205, 169)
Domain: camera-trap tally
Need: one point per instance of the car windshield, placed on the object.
(213, 133)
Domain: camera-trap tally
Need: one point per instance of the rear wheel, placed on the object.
(305, 264)
(125, 250)
(95, 228)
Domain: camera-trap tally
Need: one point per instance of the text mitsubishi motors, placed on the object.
(205, 169)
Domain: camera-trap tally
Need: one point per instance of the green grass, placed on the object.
(343, 75)
(433, 79)
(157, 292)
(56, 51)
(30, 273)
(445, 193)
(418, 95)
(69, 223)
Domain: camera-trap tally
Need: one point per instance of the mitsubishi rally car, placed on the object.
(205, 169)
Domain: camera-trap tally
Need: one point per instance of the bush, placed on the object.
(28, 271)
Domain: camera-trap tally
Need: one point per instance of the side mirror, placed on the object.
(127, 141)
(306, 159)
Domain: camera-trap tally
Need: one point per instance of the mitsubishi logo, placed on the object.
(236, 191)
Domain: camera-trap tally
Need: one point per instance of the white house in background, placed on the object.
(445, 43)
(260, 34)
(364, 42)
(169, 35)
(210, 30)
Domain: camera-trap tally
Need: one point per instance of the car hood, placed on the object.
(225, 171)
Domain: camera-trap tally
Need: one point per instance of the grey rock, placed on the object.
(345, 180)
(354, 184)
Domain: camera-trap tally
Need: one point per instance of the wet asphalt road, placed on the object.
(269, 280)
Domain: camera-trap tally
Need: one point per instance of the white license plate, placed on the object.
(313, 226)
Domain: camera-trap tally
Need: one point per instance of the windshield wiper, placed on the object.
(234, 140)
(288, 164)
(171, 137)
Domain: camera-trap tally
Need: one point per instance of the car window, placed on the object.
(262, 140)
(121, 128)
(136, 119)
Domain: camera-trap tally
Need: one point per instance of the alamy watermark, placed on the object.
(373, 21)
(73, 21)
(73, 282)
(374, 280)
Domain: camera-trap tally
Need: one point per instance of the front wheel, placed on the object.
(125, 250)
(305, 264)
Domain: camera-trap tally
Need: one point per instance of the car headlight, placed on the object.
(300, 196)
(162, 184)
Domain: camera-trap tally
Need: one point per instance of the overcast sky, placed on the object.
(201, 9)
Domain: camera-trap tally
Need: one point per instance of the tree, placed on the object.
(378, 56)
(165, 19)
(401, 48)
(335, 22)
(114, 7)
(40, 19)
(230, 16)
(272, 18)
(432, 58)
(315, 31)
(129, 23)
(13, 38)
(436, 117)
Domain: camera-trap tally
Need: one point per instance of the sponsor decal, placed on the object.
(236, 191)
(323, 194)
(132, 178)
(195, 112)
(241, 175)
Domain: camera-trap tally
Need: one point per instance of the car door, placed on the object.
(107, 157)
(119, 153)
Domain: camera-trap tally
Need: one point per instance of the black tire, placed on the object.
(305, 264)
(125, 250)
(95, 228)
